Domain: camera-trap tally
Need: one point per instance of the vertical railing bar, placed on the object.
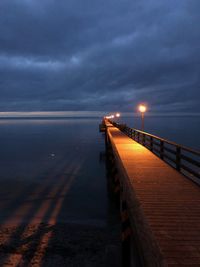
(161, 149)
(151, 143)
(131, 133)
(178, 158)
(143, 139)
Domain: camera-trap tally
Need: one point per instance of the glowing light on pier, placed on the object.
(117, 115)
(142, 108)
(110, 117)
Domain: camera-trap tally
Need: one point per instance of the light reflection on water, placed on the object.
(36, 155)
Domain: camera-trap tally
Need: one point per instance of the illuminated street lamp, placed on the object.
(142, 109)
(117, 115)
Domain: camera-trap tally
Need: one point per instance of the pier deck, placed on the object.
(164, 206)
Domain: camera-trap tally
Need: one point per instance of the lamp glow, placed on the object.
(117, 115)
(142, 108)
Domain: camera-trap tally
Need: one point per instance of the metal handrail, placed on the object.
(174, 154)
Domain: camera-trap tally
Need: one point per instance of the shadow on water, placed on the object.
(30, 193)
(55, 219)
(42, 235)
(43, 212)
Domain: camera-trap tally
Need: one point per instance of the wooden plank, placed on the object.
(163, 204)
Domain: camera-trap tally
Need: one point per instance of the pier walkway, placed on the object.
(163, 205)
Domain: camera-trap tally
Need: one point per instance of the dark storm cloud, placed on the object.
(99, 55)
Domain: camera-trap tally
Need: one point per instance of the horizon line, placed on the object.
(30, 114)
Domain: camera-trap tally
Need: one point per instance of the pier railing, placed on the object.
(184, 159)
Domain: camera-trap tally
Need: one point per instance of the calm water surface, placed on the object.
(50, 169)
(57, 160)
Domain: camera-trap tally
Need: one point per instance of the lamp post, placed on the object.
(142, 109)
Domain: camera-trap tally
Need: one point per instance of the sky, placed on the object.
(100, 55)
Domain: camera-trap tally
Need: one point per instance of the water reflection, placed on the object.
(32, 151)
(51, 181)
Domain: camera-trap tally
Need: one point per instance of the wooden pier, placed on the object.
(160, 207)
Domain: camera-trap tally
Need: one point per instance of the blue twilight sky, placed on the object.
(100, 55)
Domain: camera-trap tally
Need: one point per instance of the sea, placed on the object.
(54, 189)
(40, 156)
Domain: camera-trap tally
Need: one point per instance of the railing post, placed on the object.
(151, 143)
(138, 137)
(178, 158)
(134, 134)
(143, 139)
(131, 133)
(161, 149)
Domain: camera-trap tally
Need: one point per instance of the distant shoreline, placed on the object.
(95, 117)
(46, 118)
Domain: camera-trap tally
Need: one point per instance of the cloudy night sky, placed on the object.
(99, 55)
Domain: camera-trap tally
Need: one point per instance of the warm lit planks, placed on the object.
(169, 201)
